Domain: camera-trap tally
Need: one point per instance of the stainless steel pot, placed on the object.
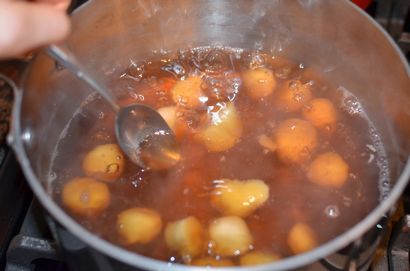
(333, 36)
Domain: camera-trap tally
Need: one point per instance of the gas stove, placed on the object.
(26, 232)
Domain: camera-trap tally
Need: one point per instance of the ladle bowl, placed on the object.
(142, 133)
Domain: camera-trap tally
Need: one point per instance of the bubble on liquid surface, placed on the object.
(350, 103)
(52, 176)
(381, 161)
(100, 115)
(135, 70)
(215, 61)
(284, 71)
(352, 106)
(175, 68)
(224, 87)
(332, 211)
(257, 60)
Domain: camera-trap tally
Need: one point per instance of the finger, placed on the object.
(25, 26)
(58, 4)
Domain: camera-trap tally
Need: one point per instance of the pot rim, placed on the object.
(147, 263)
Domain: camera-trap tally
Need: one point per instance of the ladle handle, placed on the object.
(68, 60)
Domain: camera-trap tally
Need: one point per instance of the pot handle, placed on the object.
(9, 92)
(11, 72)
(5, 80)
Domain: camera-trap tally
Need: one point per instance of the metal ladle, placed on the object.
(142, 133)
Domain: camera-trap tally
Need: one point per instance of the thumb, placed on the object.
(26, 25)
(58, 4)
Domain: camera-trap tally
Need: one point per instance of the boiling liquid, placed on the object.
(185, 189)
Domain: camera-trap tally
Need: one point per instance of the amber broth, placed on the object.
(185, 190)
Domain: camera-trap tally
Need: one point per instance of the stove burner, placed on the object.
(33, 247)
(15, 196)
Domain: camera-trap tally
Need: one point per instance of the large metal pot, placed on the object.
(333, 36)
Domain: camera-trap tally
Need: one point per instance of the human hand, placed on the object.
(25, 25)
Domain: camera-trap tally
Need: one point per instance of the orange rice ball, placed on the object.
(229, 236)
(187, 93)
(321, 113)
(86, 196)
(294, 95)
(259, 82)
(104, 162)
(301, 238)
(223, 130)
(138, 225)
(169, 114)
(185, 236)
(239, 197)
(328, 169)
(296, 139)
